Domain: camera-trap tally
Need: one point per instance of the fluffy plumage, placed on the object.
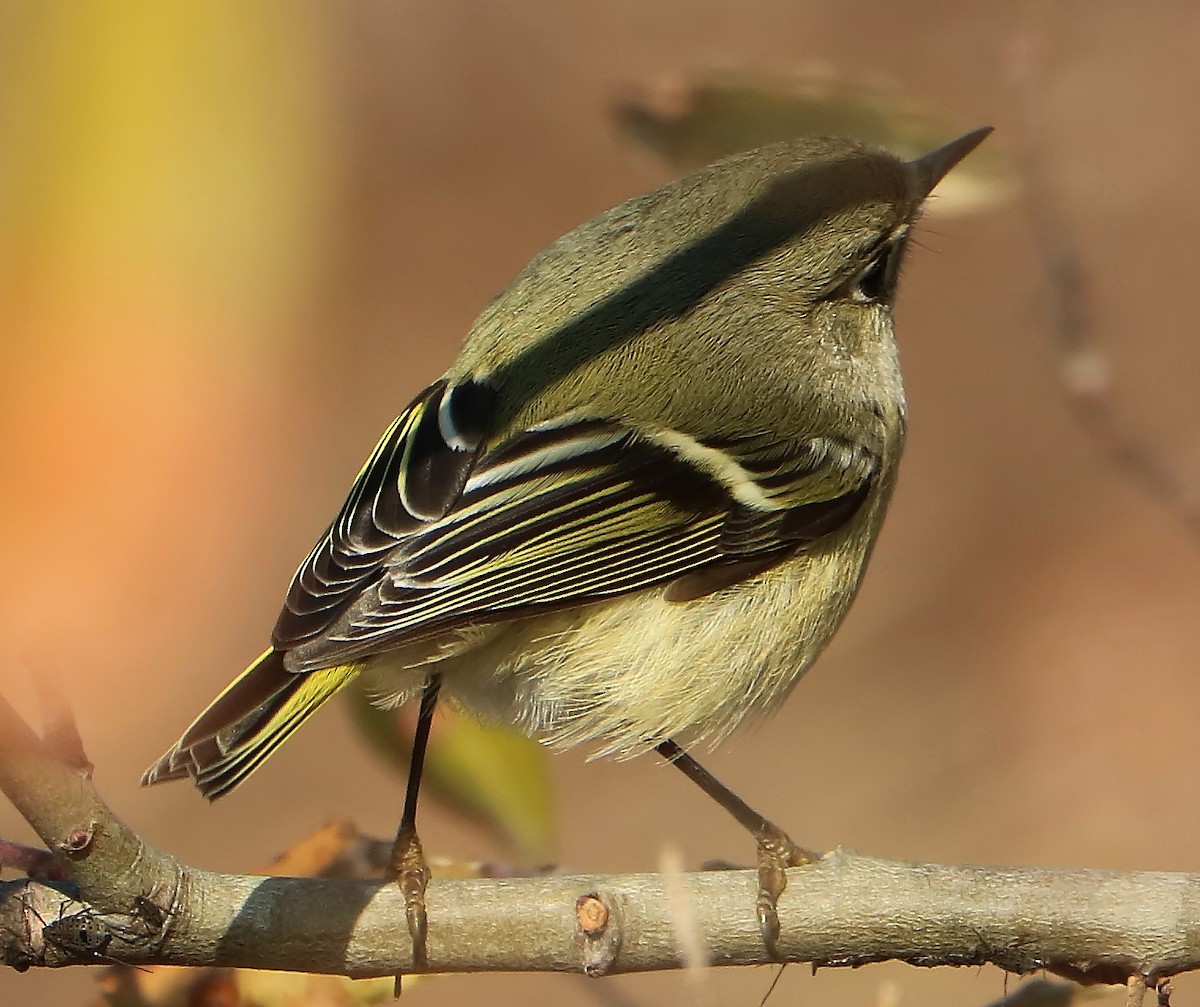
(642, 499)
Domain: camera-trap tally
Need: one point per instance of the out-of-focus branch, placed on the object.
(41, 865)
(1083, 369)
(1045, 993)
(134, 904)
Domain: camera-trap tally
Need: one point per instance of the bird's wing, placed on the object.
(413, 477)
(441, 531)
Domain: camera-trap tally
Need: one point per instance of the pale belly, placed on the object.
(627, 673)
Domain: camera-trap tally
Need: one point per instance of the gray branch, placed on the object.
(126, 902)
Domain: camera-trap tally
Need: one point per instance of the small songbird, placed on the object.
(639, 503)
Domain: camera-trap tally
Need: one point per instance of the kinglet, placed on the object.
(638, 504)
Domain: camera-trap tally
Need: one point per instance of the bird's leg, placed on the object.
(408, 868)
(776, 851)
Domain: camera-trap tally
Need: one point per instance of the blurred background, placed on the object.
(235, 239)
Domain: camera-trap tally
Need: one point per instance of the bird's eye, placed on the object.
(874, 285)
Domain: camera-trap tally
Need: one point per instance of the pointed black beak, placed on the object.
(934, 166)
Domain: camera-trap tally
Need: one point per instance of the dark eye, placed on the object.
(876, 283)
(872, 284)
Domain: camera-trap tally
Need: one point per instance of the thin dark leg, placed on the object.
(429, 698)
(776, 851)
(408, 867)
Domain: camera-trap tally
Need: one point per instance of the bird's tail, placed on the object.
(246, 723)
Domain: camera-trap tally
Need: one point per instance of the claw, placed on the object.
(776, 853)
(409, 870)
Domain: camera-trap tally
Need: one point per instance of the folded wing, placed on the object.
(563, 514)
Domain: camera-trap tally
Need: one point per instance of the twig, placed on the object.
(1136, 987)
(1085, 375)
(1042, 993)
(689, 936)
(59, 730)
(136, 905)
(41, 865)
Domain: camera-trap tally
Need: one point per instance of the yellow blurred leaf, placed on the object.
(161, 169)
(166, 183)
(293, 989)
(174, 986)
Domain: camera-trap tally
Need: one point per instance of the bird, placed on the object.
(639, 503)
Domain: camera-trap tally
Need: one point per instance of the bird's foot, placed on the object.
(776, 853)
(409, 870)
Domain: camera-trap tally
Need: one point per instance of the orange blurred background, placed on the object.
(236, 238)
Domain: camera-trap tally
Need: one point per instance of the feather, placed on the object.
(578, 509)
(414, 475)
(246, 723)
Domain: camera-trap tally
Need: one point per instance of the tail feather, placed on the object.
(257, 686)
(246, 723)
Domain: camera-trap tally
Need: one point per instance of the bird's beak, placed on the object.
(934, 166)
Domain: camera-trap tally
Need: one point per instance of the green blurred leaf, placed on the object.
(691, 121)
(487, 772)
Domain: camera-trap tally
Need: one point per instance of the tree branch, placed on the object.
(1083, 366)
(136, 905)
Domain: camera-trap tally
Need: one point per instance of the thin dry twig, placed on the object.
(688, 935)
(133, 904)
(59, 730)
(1136, 990)
(1083, 369)
(1044, 993)
(32, 861)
